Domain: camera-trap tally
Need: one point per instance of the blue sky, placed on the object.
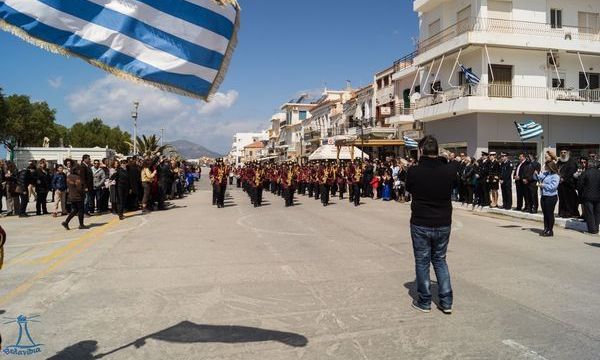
(285, 47)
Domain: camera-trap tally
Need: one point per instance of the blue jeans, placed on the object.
(430, 246)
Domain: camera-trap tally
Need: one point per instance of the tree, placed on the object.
(96, 133)
(3, 115)
(26, 123)
(149, 146)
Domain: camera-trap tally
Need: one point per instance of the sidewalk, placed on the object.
(571, 224)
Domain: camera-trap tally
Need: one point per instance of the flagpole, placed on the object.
(521, 138)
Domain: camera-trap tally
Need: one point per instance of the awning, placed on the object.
(330, 152)
(371, 142)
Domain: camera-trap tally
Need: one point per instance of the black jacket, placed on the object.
(121, 177)
(43, 181)
(430, 183)
(566, 170)
(589, 185)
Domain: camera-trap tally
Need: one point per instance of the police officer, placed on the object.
(493, 179)
(506, 171)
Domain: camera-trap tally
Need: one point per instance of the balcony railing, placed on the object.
(405, 61)
(510, 91)
(502, 26)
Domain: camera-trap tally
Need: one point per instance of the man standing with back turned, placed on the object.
(430, 184)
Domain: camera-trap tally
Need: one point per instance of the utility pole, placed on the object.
(134, 116)
(162, 133)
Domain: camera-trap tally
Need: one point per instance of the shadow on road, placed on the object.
(590, 244)
(187, 332)
(537, 231)
(83, 350)
(93, 225)
(412, 291)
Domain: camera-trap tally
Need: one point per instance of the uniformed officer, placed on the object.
(506, 170)
(493, 179)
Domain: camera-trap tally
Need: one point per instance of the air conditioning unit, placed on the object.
(553, 61)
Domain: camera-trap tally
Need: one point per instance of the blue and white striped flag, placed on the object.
(183, 46)
(410, 143)
(469, 75)
(529, 130)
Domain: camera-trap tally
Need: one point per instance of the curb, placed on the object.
(570, 224)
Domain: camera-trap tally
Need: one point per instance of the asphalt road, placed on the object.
(308, 282)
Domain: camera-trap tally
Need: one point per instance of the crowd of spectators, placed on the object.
(88, 188)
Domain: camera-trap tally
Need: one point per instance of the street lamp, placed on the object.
(134, 116)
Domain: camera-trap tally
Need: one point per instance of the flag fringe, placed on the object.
(15, 30)
(228, 54)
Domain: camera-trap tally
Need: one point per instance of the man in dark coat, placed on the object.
(25, 178)
(43, 182)
(519, 175)
(164, 181)
(506, 172)
(87, 178)
(123, 184)
(589, 190)
(568, 204)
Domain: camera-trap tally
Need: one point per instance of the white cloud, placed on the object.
(218, 103)
(55, 82)
(111, 99)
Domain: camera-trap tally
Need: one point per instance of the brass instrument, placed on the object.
(220, 174)
(257, 177)
(325, 175)
(290, 177)
(358, 174)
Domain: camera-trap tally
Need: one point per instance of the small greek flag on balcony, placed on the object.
(183, 46)
(410, 143)
(469, 75)
(529, 130)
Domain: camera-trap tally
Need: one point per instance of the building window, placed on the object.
(558, 83)
(436, 87)
(386, 81)
(588, 22)
(435, 27)
(288, 117)
(500, 9)
(379, 83)
(593, 79)
(556, 18)
(302, 115)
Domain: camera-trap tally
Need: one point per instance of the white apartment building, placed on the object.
(241, 140)
(536, 59)
(324, 121)
(296, 112)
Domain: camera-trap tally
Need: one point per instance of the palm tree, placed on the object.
(149, 146)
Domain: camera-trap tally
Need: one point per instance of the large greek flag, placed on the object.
(529, 130)
(182, 46)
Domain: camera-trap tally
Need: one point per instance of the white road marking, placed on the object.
(142, 223)
(526, 353)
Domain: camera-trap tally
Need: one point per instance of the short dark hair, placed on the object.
(85, 157)
(429, 146)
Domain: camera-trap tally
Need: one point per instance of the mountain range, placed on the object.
(190, 150)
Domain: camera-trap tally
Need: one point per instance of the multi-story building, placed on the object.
(241, 140)
(535, 59)
(296, 111)
(324, 123)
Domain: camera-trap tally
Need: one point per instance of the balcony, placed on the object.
(501, 26)
(400, 115)
(507, 98)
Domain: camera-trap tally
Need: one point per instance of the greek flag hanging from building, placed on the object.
(410, 143)
(469, 75)
(529, 130)
(183, 46)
